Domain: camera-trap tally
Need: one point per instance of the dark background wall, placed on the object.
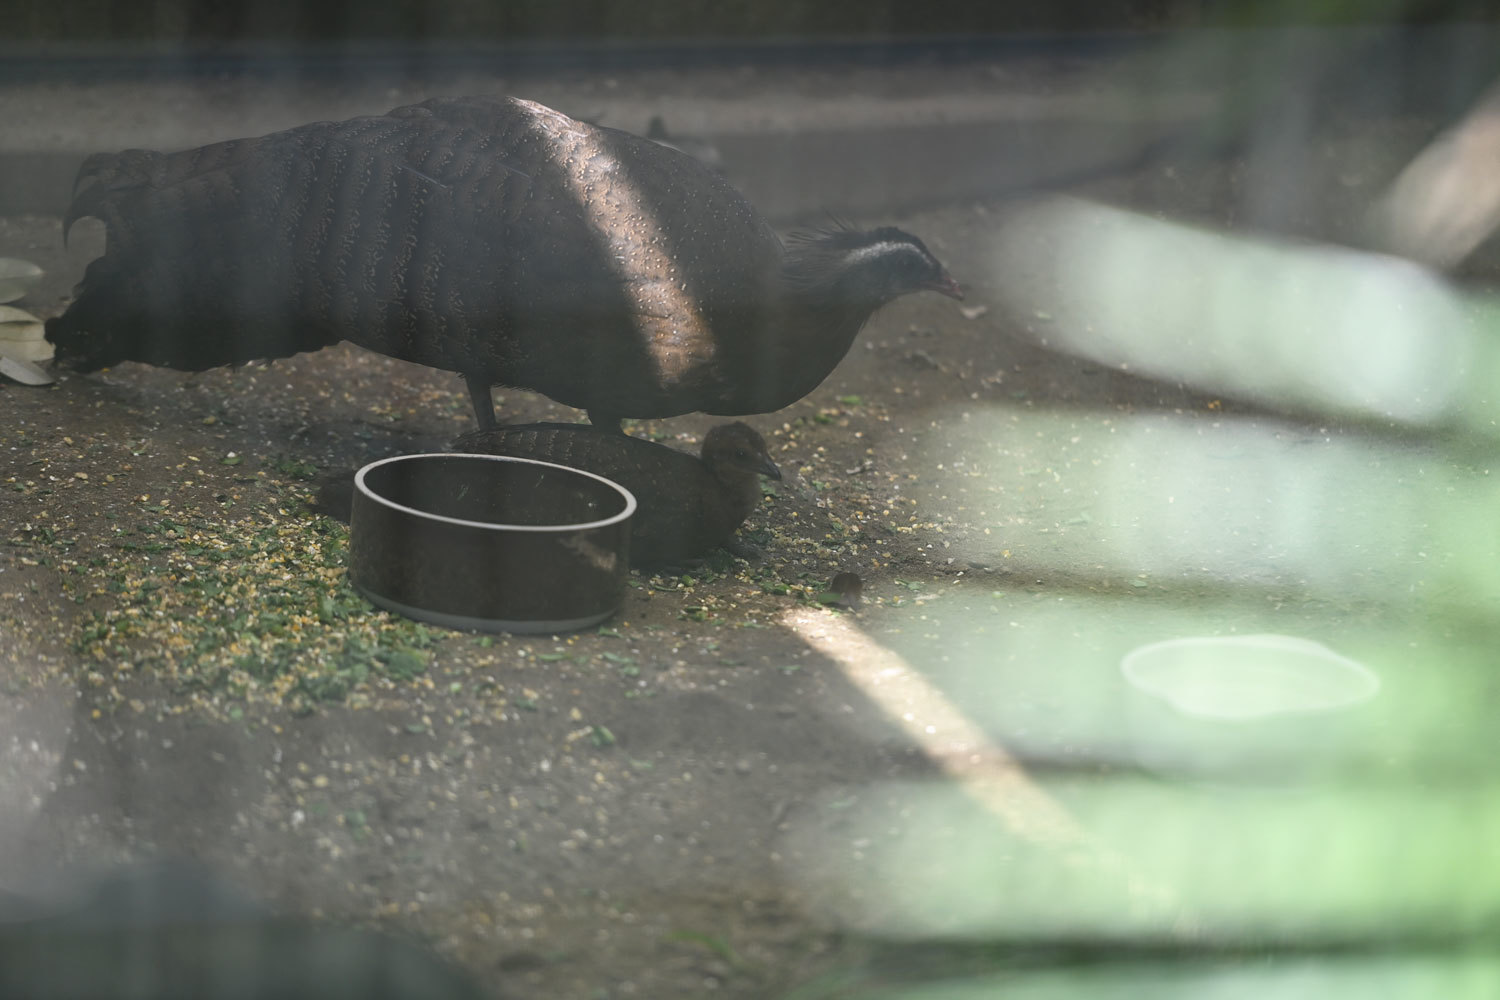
(225, 20)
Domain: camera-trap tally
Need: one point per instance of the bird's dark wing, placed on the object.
(496, 238)
(643, 273)
(198, 264)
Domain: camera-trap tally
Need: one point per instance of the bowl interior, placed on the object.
(494, 491)
(1248, 677)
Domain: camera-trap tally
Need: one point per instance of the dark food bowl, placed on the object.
(490, 543)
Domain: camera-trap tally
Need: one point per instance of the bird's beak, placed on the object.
(945, 285)
(768, 469)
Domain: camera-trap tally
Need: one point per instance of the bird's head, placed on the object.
(736, 449)
(868, 265)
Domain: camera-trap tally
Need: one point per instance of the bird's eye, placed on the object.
(741, 453)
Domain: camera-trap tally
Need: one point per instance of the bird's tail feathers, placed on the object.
(89, 335)
(119, 314)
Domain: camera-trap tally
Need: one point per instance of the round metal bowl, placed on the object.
(1267, 706)
(490, 543)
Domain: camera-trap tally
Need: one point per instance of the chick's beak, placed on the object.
(945, 285)
(768, 469)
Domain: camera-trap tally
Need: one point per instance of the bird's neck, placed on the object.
(825, 301)
(819, 305)
(818, 326)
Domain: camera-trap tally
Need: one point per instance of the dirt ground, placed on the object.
(633, 811)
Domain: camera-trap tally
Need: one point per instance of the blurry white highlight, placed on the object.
(1305, 327)
(1248, 676)
(1237, 500)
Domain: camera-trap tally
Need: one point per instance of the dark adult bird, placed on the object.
(687, 506)
(495, 238)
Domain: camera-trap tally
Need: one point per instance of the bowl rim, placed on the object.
(630, 501)
(1131, 670)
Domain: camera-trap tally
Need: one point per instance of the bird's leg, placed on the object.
(484, 402)
(607, 423)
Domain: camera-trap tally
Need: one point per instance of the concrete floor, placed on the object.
(1064, 511)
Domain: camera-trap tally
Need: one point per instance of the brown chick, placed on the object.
(686, 506)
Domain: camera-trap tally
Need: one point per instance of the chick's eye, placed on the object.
(741, 453)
